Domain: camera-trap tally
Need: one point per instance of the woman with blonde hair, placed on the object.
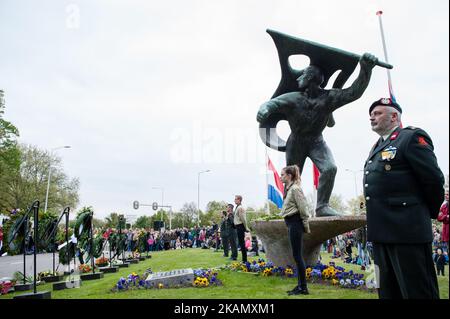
(295, 214)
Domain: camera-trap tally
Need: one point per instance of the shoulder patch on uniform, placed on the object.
(421, 140)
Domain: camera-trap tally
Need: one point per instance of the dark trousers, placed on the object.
(440, 270)
(295, 233)
(241, 240)
(406, 271)
(232, 239)
(226, 245)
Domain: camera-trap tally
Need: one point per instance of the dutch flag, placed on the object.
(275, 186)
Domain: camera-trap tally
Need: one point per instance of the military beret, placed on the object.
(386, 102)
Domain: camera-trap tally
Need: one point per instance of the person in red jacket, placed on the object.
(443, 218)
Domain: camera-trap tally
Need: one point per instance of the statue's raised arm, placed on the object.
(340, 97)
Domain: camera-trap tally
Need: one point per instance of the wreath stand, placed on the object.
(70, 281)
(94, 275)
(33, 295)
(56, 277)
(110, 268)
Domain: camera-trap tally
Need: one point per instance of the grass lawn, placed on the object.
(236, 285)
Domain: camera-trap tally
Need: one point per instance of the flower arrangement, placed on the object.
(102, 262)
(267, 272)
(44, 274)
(206, 277)
(117, 262)
(5, 286)
(133, 280)
(335, 275)
(201, 282)
(84, 268)
(136, 254)
(320, 273)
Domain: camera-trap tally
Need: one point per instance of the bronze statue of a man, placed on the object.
(308, 111)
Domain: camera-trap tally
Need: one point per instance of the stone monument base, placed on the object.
(274, 237)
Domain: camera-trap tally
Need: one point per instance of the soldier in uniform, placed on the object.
(403, 188)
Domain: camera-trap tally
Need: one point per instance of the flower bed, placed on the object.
(321, 274)
(337, 276)
(203, 278)
(264, 268)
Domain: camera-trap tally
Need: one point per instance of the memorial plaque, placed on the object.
(173, 278)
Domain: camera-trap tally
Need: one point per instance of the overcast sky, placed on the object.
(149, 93)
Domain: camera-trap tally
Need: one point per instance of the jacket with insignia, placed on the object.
(403, 187)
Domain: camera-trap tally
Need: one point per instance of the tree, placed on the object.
(9, 159)
(143, 222)
(189, 211)
(355, 206)
(213, 213)
(112, 221)
(337, 203)
(31, 182)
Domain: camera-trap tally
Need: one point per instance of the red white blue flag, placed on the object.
(275, 186)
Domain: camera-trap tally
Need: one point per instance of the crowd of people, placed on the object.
(231, 234)
(342, 247)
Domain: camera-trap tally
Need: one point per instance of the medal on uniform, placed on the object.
(388, 153)
(387, 167)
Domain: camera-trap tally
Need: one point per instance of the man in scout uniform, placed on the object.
(240, 222)
(403, 189)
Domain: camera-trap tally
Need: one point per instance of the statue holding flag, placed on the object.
(302, 100)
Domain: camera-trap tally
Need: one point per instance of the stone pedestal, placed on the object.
(124, 265)
(37, 295)
(108, 270)
(52, 278)
(92, 276)
(68, 284)
(274, 236)
(23, 287)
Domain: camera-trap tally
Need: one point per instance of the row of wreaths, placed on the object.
(82, 229)
(82, 245)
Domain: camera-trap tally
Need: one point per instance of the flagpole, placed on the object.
(391, 90)
(267, 182)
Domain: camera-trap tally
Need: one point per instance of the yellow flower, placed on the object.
(160, 285)
(334, 282)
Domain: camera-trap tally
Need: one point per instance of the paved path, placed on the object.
(11, 264)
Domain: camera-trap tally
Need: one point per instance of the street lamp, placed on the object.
(356, 184)
(49, 174)
(162, 199)
(198, 196)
